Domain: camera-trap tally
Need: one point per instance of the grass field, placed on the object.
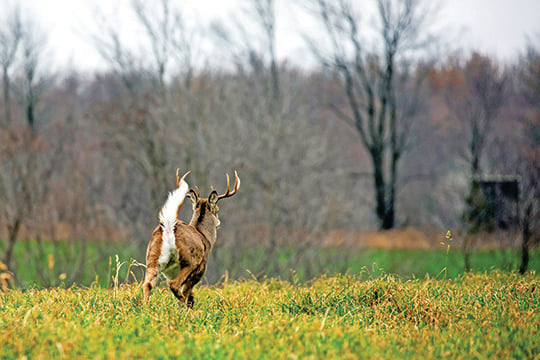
(45, 264)
(475, 316)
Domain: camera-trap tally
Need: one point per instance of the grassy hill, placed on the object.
(489, 315)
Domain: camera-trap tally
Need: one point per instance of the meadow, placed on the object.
(342, 303)
(490, 315)
(64, 264)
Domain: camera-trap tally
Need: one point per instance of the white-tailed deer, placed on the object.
(178, 250)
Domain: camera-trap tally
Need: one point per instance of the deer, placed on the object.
(180, 250)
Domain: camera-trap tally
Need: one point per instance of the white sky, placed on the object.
(496, 27)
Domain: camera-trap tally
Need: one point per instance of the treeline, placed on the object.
(375, 137)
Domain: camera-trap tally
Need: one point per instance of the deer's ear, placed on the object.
(193, 197)
(213, 198)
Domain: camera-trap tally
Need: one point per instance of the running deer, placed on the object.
(178, 250)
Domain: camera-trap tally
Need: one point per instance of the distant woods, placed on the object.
(379, 134)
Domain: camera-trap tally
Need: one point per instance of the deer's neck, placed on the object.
(206, 224)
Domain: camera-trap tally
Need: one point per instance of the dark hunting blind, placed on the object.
(501, 196)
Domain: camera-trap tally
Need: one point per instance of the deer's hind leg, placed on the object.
(150, 279)
(187, 291)
(191, 281)
(178, 286)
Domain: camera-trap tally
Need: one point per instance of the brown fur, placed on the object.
(194, 242)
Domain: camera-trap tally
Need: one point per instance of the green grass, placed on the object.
(412, 263)
(490, 315)
(74, 262)
(33, 268)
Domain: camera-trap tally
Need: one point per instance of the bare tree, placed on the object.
(148, 126)
(529, 167)
(265, 15)
(33, 80)
(19, 185)
(10, 36)
(474, 96)
(272, 131)
(252, 45)
(165, 49)
(476, 103)
(369, 81)
(16, 185)
(168, 36)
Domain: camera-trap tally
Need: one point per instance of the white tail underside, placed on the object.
(168, 219)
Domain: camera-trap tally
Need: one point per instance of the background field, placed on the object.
(483, 316)
(44, 264)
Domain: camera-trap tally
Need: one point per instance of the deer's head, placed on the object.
(206, 209)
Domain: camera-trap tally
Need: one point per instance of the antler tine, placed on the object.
(183, 177)
(228, 184)
(226, 191)
(198, 193)
(236, 181)
(235, 189)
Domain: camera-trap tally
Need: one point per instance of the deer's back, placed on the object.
(189, 245)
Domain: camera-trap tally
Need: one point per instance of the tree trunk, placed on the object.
(30, 116)
(476, 145)
(467, 243)
(389, 218)
(7, 105)
(388, 221)
(12, 238)
(525, 237)
(380, 186)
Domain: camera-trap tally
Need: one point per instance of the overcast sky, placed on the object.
(496, 27)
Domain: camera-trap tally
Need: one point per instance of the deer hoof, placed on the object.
(190, 302)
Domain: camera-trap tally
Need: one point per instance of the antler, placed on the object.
(235, 188)
(183, 177)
